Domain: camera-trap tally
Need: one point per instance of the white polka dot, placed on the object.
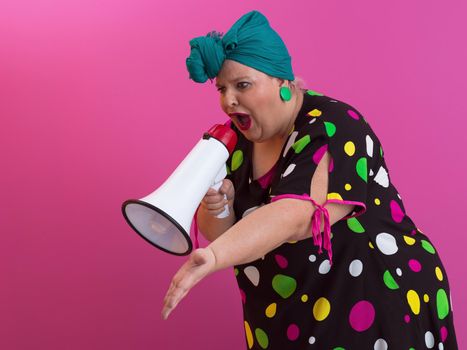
(371, 172)
(386, 243)
(324, 267)
(429, 340)
(369, 146)
(290, 142)
(399, 272)
(312, 121)
(289, 169)
(312, 258)
(382, 177)
(440, 346)
(398, 195)
(311, 340)
(381, 344)
(356, 268)
(253, 274)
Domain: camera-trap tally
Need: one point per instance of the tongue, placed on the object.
(243, 119)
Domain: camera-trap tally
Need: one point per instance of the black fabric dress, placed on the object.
(371, 281)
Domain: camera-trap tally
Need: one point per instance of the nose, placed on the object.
(229, 99)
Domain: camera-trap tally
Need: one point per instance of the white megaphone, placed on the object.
(163, 218)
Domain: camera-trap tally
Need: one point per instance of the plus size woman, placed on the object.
(323, 251)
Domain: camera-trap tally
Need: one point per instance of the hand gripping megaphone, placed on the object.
(163, 218)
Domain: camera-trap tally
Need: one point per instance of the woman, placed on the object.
(324, 253)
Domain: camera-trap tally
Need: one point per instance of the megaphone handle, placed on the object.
(226, 211)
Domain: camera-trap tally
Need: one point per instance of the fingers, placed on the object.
(173, 297)
(198, 266)
(214, 202)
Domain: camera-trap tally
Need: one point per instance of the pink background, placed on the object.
(96, 107)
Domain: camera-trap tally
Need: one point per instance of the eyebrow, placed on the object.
(235, 80)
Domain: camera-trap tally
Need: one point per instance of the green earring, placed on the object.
(285, 93)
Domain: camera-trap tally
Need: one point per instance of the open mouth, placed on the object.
(243, 120)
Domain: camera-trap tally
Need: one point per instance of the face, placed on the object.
(251, 99)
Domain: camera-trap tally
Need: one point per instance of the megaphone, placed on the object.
(163, 218)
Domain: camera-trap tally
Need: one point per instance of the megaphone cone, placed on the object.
(163, 218)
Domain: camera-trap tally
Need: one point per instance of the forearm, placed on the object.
(212, 227)
(258, 233)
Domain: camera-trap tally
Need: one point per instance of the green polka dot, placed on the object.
(442, 304)
(237, 159)
(262, 338)
(236, 271)
(313, 93)
(362, 168)
(299, 145)
(227, 168)
(339, 348)
(284, 285)
(427, 246)
(389, 281)
(355, 225)
(381, 151)
(412, 349)
(330, 128)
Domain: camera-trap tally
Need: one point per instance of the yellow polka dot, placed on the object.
(371, 245)
(292, 242)
(321, 309)
(409, 240)
(414, 301)
(334, 195)
(249, 335)
(349, 148)
(426, 298)
(304, 298)
(271, 310)
(439, 273)
(377, 201)
(315, 113)
(348, 187)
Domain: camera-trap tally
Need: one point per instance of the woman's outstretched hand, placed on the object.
(200, 264)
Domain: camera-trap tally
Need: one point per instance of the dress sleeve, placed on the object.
(351, 150)
(340, 130)
(304, 149)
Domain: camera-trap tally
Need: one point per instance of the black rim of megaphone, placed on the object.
(167, 216)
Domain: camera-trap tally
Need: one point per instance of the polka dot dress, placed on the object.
(373, 281)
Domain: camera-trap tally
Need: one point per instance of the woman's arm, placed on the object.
(255, 235)
(212, 227)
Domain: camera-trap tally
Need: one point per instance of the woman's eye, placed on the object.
(220, 89)
(242, 85)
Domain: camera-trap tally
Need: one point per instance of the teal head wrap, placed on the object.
(250, 41)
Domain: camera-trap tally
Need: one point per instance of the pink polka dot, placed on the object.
(331, 165)
(414, 265)
(281, 261)
(319, 153)
(362, 316)
(444, 333)
(396, 211)
(293, 332)
(407, 318)
(242, 293)
(352, 114)
(413, 233)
